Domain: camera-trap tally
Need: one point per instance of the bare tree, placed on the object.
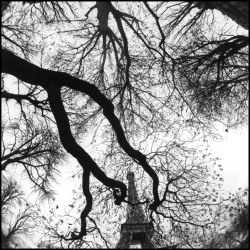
(10, 194)
(237, 235)
(34, 148)
(109, 70)
(230, 230)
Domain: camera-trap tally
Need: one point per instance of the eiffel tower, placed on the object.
(137, 231)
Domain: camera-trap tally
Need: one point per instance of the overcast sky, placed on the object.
(233, 152)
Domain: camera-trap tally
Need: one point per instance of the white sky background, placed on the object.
(232, 150)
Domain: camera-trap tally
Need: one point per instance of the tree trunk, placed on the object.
(4, 6)
(236, 10)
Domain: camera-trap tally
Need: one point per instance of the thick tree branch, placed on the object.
(240, 13)
(74, 149)
(89, 202)
(52, 81)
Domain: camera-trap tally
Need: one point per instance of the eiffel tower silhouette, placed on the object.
(137, 231)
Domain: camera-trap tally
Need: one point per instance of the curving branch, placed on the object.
(74, 149)
(88, 207)
(52, 82)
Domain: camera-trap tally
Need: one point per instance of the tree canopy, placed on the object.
(18, 221)
(123, 86)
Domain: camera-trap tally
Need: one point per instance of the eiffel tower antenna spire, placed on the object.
(137, 230)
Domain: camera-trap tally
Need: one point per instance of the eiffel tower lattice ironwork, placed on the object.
(137, 230)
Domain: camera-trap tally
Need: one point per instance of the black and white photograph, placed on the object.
(125, 124)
